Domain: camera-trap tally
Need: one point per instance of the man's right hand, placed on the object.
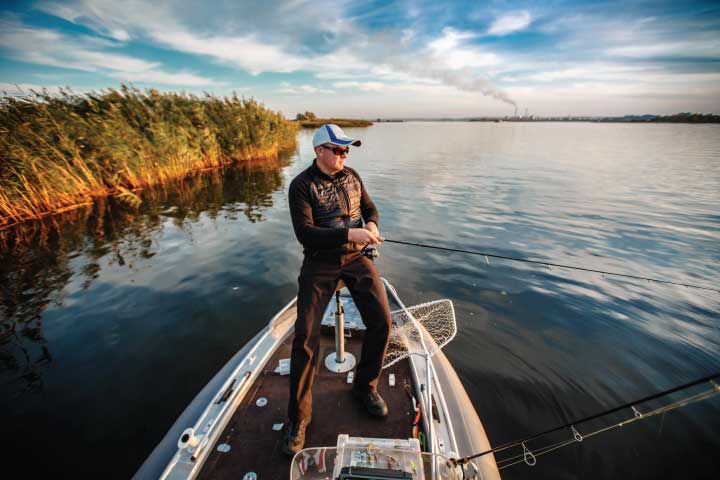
(360, 235)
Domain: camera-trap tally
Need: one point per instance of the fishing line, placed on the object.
(631, 405)
(510, 461)
(559, 265)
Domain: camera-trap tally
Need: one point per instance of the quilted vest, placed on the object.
(336, 200)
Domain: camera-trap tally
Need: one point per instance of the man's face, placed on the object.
(331, 158)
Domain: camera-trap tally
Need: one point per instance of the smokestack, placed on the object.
(515, 111)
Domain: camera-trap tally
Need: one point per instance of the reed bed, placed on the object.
(61, 151)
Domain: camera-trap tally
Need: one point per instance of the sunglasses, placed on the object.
(338, 150)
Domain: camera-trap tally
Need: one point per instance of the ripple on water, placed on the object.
(120, 300)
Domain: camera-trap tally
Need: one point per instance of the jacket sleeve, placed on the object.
(307, 233)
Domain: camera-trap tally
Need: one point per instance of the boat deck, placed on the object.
(255, 446)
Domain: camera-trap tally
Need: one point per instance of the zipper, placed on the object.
(346, 197)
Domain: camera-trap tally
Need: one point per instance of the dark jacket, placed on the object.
(325, 208)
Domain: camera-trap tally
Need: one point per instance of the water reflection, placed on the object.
(38, 259)
(115, 299)
(537, 346)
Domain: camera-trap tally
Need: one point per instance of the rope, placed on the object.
(538, 262)
(661, 410)
(598, 415)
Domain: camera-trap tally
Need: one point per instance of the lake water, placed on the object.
(113, 319)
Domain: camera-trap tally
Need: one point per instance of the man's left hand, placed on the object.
(371, 227)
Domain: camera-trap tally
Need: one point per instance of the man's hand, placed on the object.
(372, 228)
(361, 235)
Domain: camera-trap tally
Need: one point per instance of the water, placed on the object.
(113, 319)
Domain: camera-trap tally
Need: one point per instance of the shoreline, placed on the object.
(63, 152)
(129, 194)
(340, 122)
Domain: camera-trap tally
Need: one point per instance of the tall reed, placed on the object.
(59, 151)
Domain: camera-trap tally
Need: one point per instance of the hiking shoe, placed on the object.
(374, 403)
(294, 438)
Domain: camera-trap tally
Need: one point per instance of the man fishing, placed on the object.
(334, 219)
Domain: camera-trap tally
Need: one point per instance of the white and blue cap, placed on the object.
(331, 133)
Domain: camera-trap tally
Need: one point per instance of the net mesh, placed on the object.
(438, 321)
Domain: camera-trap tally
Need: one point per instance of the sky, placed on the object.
(378, 59)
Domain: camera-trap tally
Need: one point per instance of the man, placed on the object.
(328, 204)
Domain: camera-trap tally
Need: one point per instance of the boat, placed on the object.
(233, 428)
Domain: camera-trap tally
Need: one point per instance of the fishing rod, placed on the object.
(540, 262)
(529, 457)
(630, 405)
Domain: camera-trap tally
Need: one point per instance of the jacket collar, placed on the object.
(319, 173)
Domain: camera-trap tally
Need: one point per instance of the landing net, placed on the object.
(438, 321)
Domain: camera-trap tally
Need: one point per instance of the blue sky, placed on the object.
(379, 59)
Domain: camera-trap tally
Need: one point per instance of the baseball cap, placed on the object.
(331, 133)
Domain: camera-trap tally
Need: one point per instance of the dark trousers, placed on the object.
(317, 281)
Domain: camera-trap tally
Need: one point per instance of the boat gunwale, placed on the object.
(215, 426)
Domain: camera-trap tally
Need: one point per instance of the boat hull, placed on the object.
(250, 374)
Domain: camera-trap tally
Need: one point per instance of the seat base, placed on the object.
(334, 366)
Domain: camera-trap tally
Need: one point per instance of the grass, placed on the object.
(61, 151)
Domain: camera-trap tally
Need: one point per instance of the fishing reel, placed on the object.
(371, 252)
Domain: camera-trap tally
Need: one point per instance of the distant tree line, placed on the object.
(310, 120)
(305, 116)
(688, 117)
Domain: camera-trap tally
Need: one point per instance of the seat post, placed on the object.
(339, 329)
(339, 361)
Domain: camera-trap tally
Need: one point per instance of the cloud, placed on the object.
(449, 49)
(257, 38)
(299, 36)
(618, 49)
(645, 37)
(380, 53)
(617, 72)
(586, 71)
(408, 35)
(707, 48)
(287, 87)
(364, 86)
(88, 16)
(510, 22)
(245, 52)
(165, 78)
(449, 40)
(48, 47)
(637, 90)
